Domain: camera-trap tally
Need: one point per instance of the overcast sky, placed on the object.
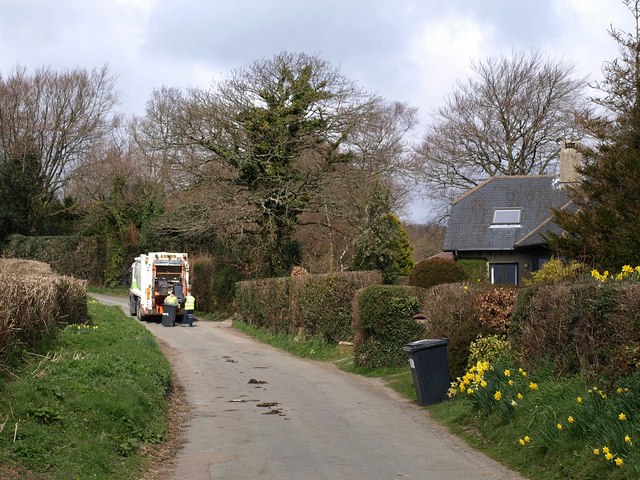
(407, 50)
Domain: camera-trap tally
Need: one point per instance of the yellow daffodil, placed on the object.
(533, 386)
(520, 396)
(497, 395)
(605, 449)
(483, 384)
(596, 451)
(559, 426)
(619, 462)
(570, 419)
(527, 439)
(511, 383)
(627, 439)
(622, 417)
(521, 441)
(619, 390)
(507, 373)
(608, 456)
(580, 400)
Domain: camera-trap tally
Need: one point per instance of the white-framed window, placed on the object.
(504, 273)
(506, 216)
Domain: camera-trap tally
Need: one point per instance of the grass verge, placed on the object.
(87, 404)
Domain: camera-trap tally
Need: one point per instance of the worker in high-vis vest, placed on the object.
(189, 307)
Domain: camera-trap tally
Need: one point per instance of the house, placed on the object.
(501, 220)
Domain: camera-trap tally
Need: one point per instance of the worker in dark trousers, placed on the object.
(189, 307)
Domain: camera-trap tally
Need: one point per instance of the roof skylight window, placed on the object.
(506, 216)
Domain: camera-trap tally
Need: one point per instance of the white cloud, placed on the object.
(441, 52)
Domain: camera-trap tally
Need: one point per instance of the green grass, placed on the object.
(83, 406)
(315, 349)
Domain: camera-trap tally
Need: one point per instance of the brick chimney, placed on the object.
(569, 159)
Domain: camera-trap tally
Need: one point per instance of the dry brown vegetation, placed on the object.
(35, 303)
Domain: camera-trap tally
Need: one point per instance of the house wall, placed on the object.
(525, 260)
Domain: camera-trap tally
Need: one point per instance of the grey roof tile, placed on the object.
(471, 214)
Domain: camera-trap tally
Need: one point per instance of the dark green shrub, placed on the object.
(202, 269)
(214, 283)
(475, 269)
(384, 323)
(225, 277)
(435, 271)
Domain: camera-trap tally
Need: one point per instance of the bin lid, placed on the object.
(425, 343)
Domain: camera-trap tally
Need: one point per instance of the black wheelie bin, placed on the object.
(429, 369)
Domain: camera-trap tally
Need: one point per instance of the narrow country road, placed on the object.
(259, 413)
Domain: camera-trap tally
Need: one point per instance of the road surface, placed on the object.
(259, 413)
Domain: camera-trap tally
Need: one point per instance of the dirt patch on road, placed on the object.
(162, 466)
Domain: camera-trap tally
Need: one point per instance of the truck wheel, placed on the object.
(133, 305)
(139, 314)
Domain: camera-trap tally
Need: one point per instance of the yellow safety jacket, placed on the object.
(190, 303)
(171, 300)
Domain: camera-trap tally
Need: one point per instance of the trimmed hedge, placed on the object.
(40, 304)
(310, 305)
(453, 310)
(435, 271)
(585, 327)
(384, 323)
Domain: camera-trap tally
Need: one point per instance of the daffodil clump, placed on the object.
(493, 389)
(81, 328)
(603, 421)
(627, 273)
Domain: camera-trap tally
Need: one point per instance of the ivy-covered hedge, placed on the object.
(384, 323)
(75, 256)
(214, 283)
(310, 305)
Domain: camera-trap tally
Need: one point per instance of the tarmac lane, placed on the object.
(260, 413)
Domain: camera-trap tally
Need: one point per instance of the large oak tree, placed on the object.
(257, 150)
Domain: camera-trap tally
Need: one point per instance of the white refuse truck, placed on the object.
(153, 277)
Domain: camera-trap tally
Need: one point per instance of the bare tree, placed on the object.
(505, 120)
(55, 118)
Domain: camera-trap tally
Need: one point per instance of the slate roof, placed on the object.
(471, 213)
